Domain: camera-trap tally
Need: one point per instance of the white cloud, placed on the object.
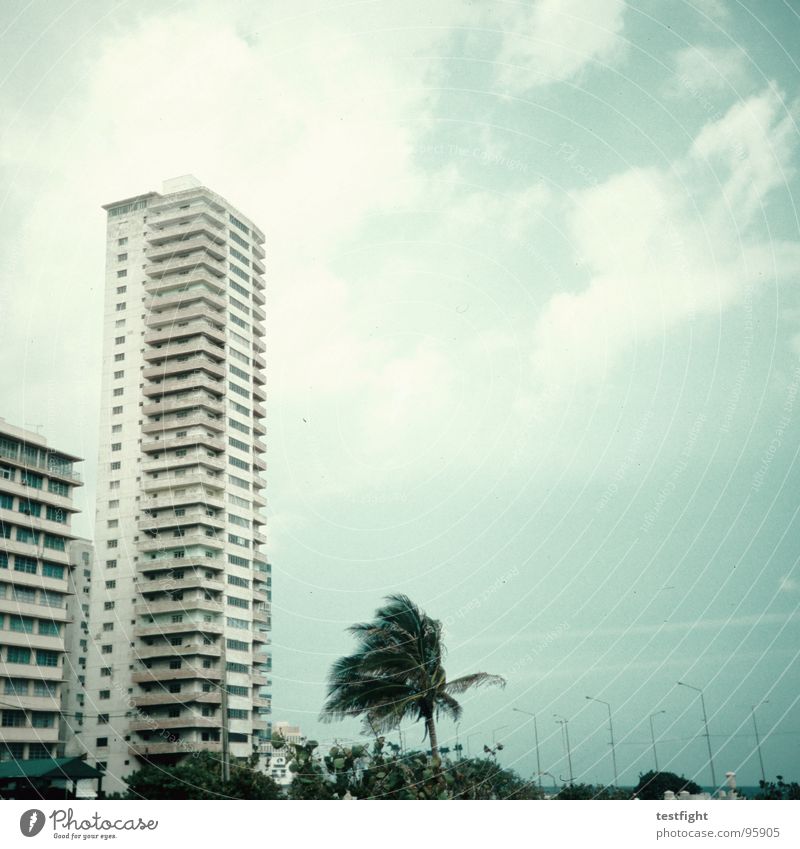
(555, 40)
(703, 68)
(662, 249)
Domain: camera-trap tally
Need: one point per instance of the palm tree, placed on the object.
(397, 673)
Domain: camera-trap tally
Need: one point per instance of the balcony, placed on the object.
(26, 734)
(196, 495)
(180, 299)
(191, 382)
(153, 446)
(31, 549)
(197, 262)
(192, 479)
(163, 543)
(167, 650)
(191, 458)
(193, 362)
(164, 673)
(188, 517)
(193, 401)
(258, 411)
(185, 605)
(52, 468)
(189, 721)
(189, 312)
(187, 582)
(258, 265)
(155, 629)
(178, 229)
(190, 561)
(200, 418)
(164, 698)
(176, 332)
(20, 608)
(147, 750)
(36, 523)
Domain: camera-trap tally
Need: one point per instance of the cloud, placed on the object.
(705, 68)
(556, 40)
(664, 245)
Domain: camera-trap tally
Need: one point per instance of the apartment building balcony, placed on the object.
(258, 313)
(164, 427)
(259, 393)
(146, 750)
(169, 318)
(198, 380)
(175, 332)
(258, 251)
(258, 265)
(196, 261)
(36, 523)
(261, 658)
(174, 302)
(154, 723)
(194, 362)
(258, 345)
(192, 479)
(162, 697)
(197, 580)
(192, 439)
(165, 674)
(192, 401)
(260, 725)
(167, 650)
(259, 377)
(163, 542)
(31, 671)
(259, 411)
(167, 462)
(259, 462)
(31, 549)
(260, 680)
(26, 734)
(37, 582)
(190, 561)
(179, 498)
(184, 605)
(9, 604)
(175, 283)
(155, 629)
(164, 250)
(258, 297)
(23, 491)
(180, 229)
(51, 467)
(34, 703)
(170, 519)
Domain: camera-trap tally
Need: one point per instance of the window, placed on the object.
(116, 465)
(113, 484)
(54, 542)
(121, 290)
(49, 629)
(101, 742)
(240, 464)
(239, 390)
(237, 540)
(51, 599)
(110, 585)
(112, 543)
(120, 322)
(238, 425)
(27, 535)
(177, 617)
(119, 340)
(239, 305)
(122, 273)
(111, 564)
(121, 257)
(52, 570)
(121, 306)
(237, 443)
(238, 561)
(118, 358)
(104, 695)
(30, 479)
(6, 501)
(17, 654)
(118, 375)
(238, 408)
(122, 241)
(238, 239)
(116, 410)
(239, 482)
(108, 605)
(238, 582)
(236, 690)
(107, 649)
(16, 687)
(13, 719)
(29, 508)
(42, 720)
(46, 658)
(236, 713)
(240, 289)
(25, 564)
(113, 504)
(238, 321)
(237, 645)
(174, 712)
(45, 689)
(119, 391)
(175, 664)
(7, 473)
(242, 624)
(21, 624)
(113, 523)
(56, 514)
(102, 719)
(238, 520)
(108, 626)
(174, 687)
(105, 672)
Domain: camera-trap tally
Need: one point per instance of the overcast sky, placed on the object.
(533, 329)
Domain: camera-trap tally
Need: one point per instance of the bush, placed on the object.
(779, 789)
(653, 785)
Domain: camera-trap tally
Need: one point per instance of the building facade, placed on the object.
(180, 600)
(36, 507)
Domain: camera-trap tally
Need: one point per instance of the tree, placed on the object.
(778, 790)
(198, 777)
(653, 785)
(591, 791)
(397, 673)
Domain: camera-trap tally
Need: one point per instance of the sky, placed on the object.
(533, 333)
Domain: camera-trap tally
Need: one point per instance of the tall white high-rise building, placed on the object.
(180, 600)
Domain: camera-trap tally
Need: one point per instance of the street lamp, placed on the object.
(653, 736)
(611, 731)
(708, 736)
(539, 772)
(494, 732)
(758, 741)
(564, 723)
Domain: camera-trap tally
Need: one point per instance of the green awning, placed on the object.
(48, 768)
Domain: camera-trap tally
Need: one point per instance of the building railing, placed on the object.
(60, 469)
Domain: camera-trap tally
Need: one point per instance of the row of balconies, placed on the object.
(212, 421)
(159, 674)
(197, 381)
(168, 518)
(158, 629)
(193, 362)
(164, 564)
(185, 605)
(192, 479)
(176, 331)
(190, 495)
(177, 461)
(162, 697)
(186, 346)
(211, 308)
(30, 549)
(167, 650)
(197, 261)
(187, 582)
(165, 542)
(147, 750)
(36, 523)
(181, 298)
(180, 228)
(192, 438)
(190, 401)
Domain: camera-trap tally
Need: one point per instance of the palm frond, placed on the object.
(477, 679)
